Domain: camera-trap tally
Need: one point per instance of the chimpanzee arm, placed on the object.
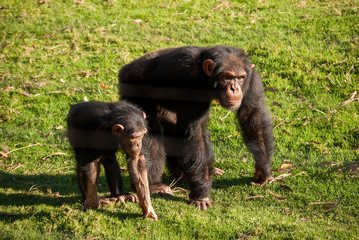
(257, 129)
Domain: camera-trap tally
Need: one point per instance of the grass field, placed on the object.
(54, 53)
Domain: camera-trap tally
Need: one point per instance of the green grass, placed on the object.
(55, 54)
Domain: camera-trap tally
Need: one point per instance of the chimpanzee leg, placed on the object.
(199, 174)
(114, 180)
(81, 180)
(210, 154)
(88, 170)
(155, 154)
(155, 157)
(173, 161)
(172, 143)
(197, 154)
(257, 132)
(87, 174)
(113, 174)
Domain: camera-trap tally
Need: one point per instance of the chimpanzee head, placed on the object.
(229, 72)
(130, 143)
(129, 126)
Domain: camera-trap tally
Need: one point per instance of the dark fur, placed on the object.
(172, 88)
(89, 132)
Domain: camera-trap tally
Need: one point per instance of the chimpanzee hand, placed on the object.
(148, 211)
(202, 204)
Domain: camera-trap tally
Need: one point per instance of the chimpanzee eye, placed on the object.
(227, 77)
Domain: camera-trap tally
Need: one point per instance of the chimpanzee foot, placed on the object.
(202, 204)
(127, 198)
(122, 198)
(217, 171)
(91, 202)
(106, 201)
(162, 190)
(262, 177)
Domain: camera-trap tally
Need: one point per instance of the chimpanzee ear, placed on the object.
(253, 65)
(144, 115)
(117, 129)
(208, 66)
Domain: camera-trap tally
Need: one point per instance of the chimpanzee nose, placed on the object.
(234, 87)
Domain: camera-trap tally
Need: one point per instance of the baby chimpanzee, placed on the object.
(96, 131)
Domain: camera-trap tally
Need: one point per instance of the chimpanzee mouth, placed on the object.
(231, 105)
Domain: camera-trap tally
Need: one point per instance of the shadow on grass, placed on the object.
(174, 199)
(29, 199)
(65, 184)
(14, 217)
(229, 182)
(123, 216)
(53, 190)
(30, 190)
(34, 190)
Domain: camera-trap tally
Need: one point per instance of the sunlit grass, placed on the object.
(58, 53)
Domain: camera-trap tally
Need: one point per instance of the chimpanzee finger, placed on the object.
(192, 202)
(203, 205)
(127, 198)
(105, 201)
(217, 171)
(134, 198)
(121, 199)
(153, 215)
(149, 212)
(130, 198)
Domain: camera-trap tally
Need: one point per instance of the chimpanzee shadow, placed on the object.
(55, 189)
(12, 217)
(27, 187)
(65, 184)
(216, 184)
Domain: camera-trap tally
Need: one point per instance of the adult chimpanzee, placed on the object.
(96, 131)
(175, 88)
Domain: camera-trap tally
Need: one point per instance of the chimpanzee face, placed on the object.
(229, 77)
(130, 143)
(230, 84)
